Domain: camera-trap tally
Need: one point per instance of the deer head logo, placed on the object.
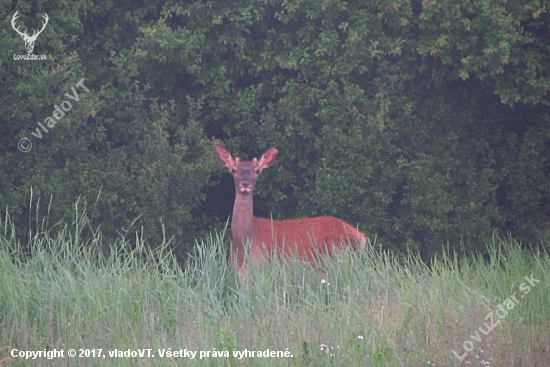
(29, 40)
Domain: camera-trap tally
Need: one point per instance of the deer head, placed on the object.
(244, 173)
(29, 40)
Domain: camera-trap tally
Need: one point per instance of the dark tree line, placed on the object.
(424, 122)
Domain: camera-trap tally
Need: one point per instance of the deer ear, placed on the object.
(268, 158)
(224, 156)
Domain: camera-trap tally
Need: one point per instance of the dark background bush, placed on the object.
(425, 123)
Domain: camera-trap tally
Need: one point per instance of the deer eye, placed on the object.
(258, 171)
(233, 170)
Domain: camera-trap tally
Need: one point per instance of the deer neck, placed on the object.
(242, 222)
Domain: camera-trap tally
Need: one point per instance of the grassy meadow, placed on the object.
(61, 293)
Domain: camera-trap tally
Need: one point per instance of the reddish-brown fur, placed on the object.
(299, 236)
(304, 238)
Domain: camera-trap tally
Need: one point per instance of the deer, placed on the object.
(29, 40)
(303, 238)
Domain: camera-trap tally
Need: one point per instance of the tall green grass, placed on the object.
(370, 308)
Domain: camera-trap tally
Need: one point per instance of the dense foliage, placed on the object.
(424, 122)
